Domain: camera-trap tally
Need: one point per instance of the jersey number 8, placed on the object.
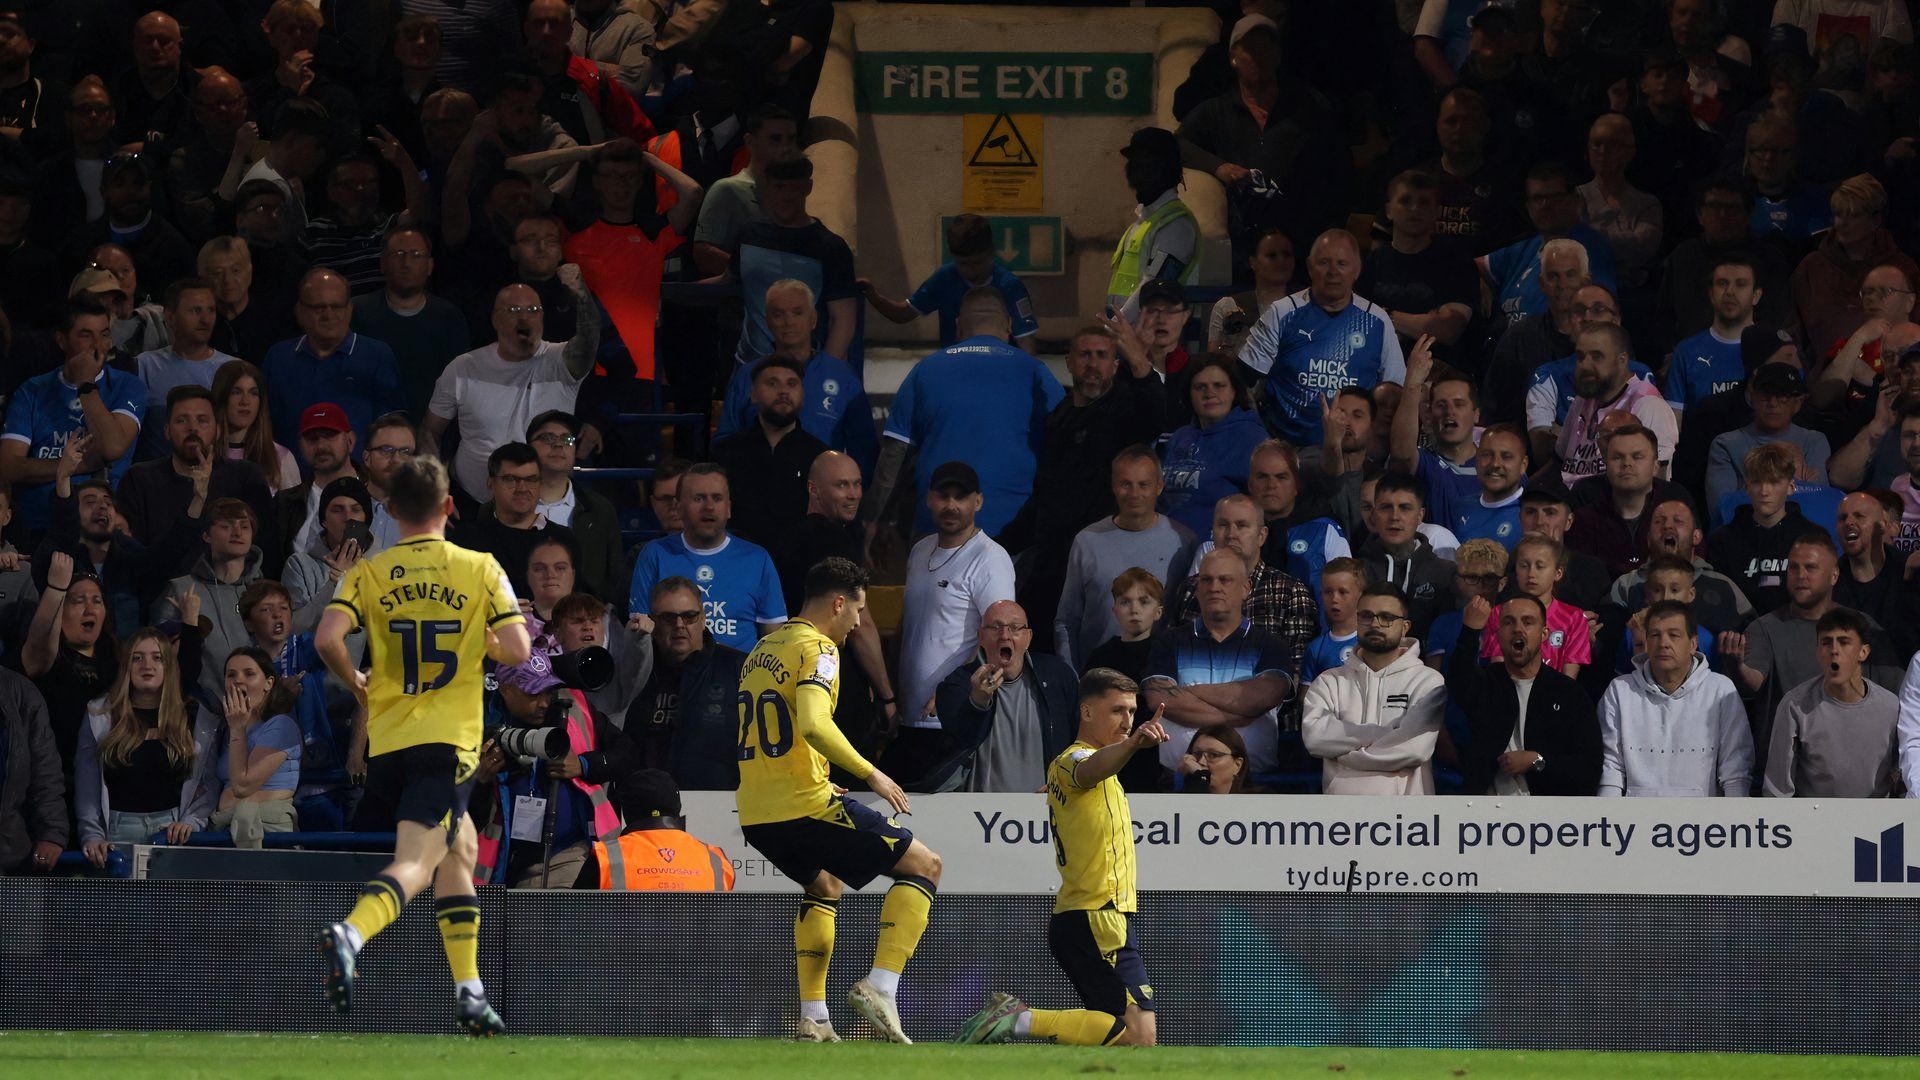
(773, 743)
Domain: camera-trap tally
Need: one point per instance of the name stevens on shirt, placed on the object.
(409, 591)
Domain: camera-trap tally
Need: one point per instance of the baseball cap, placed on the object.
(324, 416)
(1152, 142)
(1779, 380)
(1162, 289)
(955, 474)
(1759, 343)
(533, 676)
(1248, 24)
(94, 280)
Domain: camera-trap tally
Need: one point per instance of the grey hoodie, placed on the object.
(220, 603)
(1691, 743)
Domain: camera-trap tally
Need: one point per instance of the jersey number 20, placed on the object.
(420, 643)
(774, 741)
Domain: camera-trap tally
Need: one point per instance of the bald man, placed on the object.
(1325, 337)
(494, 392)
(329, 362)
(1006, 711)
(200, 159)
(832, 528)
(152, 100)
(980, 400)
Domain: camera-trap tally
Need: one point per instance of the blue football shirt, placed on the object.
(1475, 520)
(834, 408)
(1703, 364)
(1515, 270)
(945, 288)
(739, 590)
(45, 412)
(984, 402)
(1307, 353)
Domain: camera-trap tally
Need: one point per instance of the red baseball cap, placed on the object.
(324, 416)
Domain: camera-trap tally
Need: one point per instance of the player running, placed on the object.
(791, 814)
(431, 611)
(1091, 935)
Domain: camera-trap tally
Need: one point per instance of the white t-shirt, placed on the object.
(948, 590)
(1516, 784)
(494, 400)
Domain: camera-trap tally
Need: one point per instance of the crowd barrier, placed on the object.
(1379, 969)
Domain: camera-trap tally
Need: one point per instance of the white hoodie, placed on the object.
(1691, 743)
(1376, 730)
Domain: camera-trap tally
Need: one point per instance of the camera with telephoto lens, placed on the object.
(538, 744)
(585, 669)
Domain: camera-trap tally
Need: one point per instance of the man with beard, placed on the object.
(327, 443)
(1375, 720)
(1216, 669)
(188, 360)
(768, 462)
(1533, 730)
(1500, 467)
(1673, 529)
(1872, 571)
(1607, 386)
(1709, 361)
(953, 577)
(1449, 467)
(1551, 390)
(154, 494)
(425, 331)
(1780, 650)
(509, 525)
(496, 391)
(160, 254)
(1104, 412)
(329, 362)
(737, 582)
(83, 396)
(832, 529)
(1277, 602)
(348, 239)
(834, 406)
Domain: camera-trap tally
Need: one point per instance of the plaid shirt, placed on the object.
(1277, 603)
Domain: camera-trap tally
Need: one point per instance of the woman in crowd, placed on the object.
(1215, 764)
(550, 576)
(69, 652)
(1206, 460)
(1233, 316)
(145, 758)
(260, 761)
(239, 392)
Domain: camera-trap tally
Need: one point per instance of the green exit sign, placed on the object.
(1026, 244)
(1116, 84)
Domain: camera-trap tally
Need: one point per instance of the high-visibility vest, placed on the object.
(1138, 240)
(663, 860)
(606, 820)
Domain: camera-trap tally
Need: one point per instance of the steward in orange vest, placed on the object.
(655, 853)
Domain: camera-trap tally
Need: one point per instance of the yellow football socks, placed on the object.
(1076, 1027)
(380, 903)
(460, 934)
(813, 944)
(903, 918)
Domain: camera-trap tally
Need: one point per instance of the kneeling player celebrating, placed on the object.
(790, 812)
(1091, 935)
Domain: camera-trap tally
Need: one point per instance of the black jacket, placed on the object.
(1057, 696)
(768, 480)
(603, 561)
(1561, 724)
(33, 787)
(707, 733)
(1425, 577)
(1072, 482)
(1755, 556)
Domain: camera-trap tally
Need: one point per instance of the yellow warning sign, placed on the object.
(1002, 166)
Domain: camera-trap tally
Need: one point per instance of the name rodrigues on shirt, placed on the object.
(408, 592)
(769, 663)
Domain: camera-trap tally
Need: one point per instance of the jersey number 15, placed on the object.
(420, 643)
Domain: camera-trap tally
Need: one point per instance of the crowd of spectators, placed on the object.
(1557, 433)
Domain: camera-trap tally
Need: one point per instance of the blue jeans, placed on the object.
(138, 828)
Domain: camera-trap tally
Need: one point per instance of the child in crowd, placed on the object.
(1669, 577)
(1341, 582)
(1752, 548)
(1538, 565)
(970, 241)
(1137, 606)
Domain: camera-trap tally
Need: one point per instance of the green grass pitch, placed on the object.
(419, 1057)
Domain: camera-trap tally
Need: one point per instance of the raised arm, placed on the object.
(42, 645)
(1404, 449)
(1109, 760)
(585, 343)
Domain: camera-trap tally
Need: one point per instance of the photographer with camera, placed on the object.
(656, 851)
(559, 757)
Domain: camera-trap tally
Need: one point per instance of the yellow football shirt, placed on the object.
(426, 606)
(1092, 837)
(783, 772)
